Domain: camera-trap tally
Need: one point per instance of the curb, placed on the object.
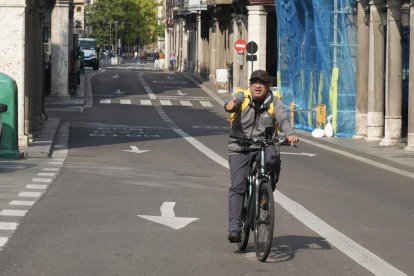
(43, 141)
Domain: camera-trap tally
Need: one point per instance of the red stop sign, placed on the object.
(240, 45)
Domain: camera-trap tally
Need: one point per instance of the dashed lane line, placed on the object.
(13, 213)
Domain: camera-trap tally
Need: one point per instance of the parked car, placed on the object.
(3, 108)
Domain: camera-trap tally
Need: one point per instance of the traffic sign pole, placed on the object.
(240, 46)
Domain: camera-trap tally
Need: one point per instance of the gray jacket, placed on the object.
(246, 123)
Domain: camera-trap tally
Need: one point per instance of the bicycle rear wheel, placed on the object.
(264, 221)
(245, 229)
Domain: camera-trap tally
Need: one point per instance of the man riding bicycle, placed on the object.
(251, 112)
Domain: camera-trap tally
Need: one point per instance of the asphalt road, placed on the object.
(154, 139)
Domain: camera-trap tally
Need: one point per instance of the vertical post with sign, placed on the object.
(240, 46)
(251, 50)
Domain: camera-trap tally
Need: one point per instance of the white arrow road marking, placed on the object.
(180, 93)
(119, 92)
(115, 77)
(135, 149)
(168, 217)
(299, 153)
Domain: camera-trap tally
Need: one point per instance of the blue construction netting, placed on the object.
(317, 60)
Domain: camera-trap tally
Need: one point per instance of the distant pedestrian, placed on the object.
(136, 56)
(156, 60)
(161, 60)
(172, 61)
(142, 56)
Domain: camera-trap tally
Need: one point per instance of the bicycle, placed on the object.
(258, 207)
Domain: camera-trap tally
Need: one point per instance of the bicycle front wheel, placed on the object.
(264, 221)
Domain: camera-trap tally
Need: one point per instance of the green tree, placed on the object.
(137, 20)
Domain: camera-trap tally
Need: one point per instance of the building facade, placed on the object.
(202, 34)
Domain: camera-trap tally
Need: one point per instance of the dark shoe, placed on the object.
(234, 236)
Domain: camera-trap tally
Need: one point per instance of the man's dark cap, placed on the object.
(260, 75)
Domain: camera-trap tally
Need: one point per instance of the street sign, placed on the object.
(240, 45)
(251, 47)
(251, 57)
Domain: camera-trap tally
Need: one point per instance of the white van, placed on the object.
(88, 46)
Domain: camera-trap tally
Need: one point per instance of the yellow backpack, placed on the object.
(246, 102)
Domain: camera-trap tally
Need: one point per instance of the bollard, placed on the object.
(9, 136)
(292, 113)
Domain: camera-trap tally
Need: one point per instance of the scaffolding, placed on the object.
(317, 57)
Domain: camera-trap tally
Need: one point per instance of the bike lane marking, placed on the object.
(353, 250)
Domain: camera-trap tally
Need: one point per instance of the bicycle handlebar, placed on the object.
(261, 140)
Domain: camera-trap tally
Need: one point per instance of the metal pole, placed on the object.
(110, 37)
(116, 37)
(335, 34)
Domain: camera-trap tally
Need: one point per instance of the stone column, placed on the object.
(257, 32)
(184, 56)
(213, 38)
(362, 70)
(13, 56)
(60, 49)
(199, 54)
(167, 35)
(410, 134)
(375, 115)
(393, 78)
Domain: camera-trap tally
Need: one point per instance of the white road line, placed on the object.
(105, 101)
(47, 174)
(356, 252)
(125, 101)
(206, 103)
(186, 103)
(145, 102)
(35, 186)
(8, 225)
(50, 169)
(360, 158)
(13, 213)
(165, 102)
(42, 180)
(59, 159)
(146, 87)
(22, 203)
(3, 241)
(55, 163)
(30, 194)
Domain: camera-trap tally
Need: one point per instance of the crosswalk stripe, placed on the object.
(145, 102)
(13, 213)
(105, 101)
(186, 103)
(206, 103)
(8, 225)
(125, 101)
(22, 203)
(165, 102)
(162, 102)
(3, 241)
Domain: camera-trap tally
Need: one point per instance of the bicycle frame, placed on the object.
(253, 187)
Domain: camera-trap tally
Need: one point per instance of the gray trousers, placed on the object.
(238, 163)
